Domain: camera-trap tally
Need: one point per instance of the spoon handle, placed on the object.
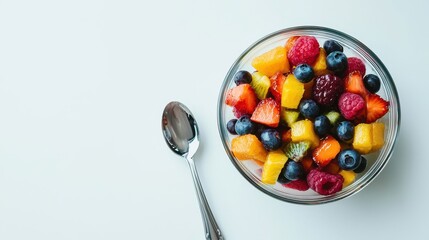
(211, 228)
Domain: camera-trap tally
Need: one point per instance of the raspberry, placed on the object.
(305, 50)
(351, 105)
(324, 183)
(300, 185)
(355, 64)
(327, 89)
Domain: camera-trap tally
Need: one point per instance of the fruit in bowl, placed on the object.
(309, 114)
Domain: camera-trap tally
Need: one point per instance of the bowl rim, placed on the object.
(316, 30)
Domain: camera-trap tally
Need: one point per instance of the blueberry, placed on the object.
(372, 83)
(282, 178)
(361, 166)
(331, 46)
(244, 125)
(294, 170)
(230, 126)
(322, 125)
(337, 62)
(242, 77)
(345, 131)
(309, 109)
(304, 73)
(271, 139)
(349, 159)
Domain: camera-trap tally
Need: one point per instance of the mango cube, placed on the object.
(377, 136)
(362, 141)
(271, 62)
(304, 131)
(349, 177)
(248, 147)
(319, 66)
(292, 92)
(273, 166)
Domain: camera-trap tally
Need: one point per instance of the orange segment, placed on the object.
(272, 62)
(248, 147)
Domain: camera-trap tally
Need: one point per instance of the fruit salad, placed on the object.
(308, 114)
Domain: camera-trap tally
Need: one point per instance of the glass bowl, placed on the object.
(352, 47)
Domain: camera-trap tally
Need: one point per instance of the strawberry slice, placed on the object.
(276, 86)
(376, 107)
(267, 112)
(354, 84)
(242, 98)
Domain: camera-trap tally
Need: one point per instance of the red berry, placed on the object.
(327, 89)
(356, 64)
(324, 183)
(376, 107)
(267, 112)
(351, 105)
(242, 98)
(304, 50)
(300, 185)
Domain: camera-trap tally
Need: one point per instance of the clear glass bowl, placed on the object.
(352, 47)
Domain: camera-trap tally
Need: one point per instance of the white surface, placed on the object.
(82, 88)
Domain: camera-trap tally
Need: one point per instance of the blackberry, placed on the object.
(327, 89)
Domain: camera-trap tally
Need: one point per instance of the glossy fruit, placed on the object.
(345, 131)
(333, 117)
(322, 125)
(353, 83)
(267, 112)
(300, 185)
(309, 109)
(244, 125)
(372, 83)
(319, 66)
(331, 46)
(356, 64)
(292, 92)
(303, 130)
(242, 77)
(289, 116)
(304, 73)
(282, 178)
(324, 183)
(242, 98)
(377, 136)
(362, 140)
(260, 84)
(272, 167)
(349, 177)
(248, 147)
(271, 62)
(304, 50)
(271, 139)
(362, 165)
(294, 170)
(297, 150)
(349, 159)
(230, 126)
(290, 42)
(337, 62)
(276, 86)
(327, 150)
(327, 89)
(351, 106)
(308, 164)
(376, 107)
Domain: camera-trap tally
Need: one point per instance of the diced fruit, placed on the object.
(248, 147)
(271, 139)
(290, 42)
(352, 106)
(349, 177)
(300, 185)
(273, 166)
(356, 64)
(376, 107)
(308, 90)
(309, 109)
(327, 150)
(230, 126)
(377, 136)
(327, 89)
(304, 131)
(331, 46)
(345, 131)
(362, 141)
(242, 77)
(244, 125)
(332, 167)
(289, 116)
(372, 83)
(272, 62)
(276, 85)
(353, 83)
(260, 84)
(307, 164)
(242, 98)
(267, 112)
(333, 117)
(319, 66)
(324, 183)
(304, 50)
(322, 125)
(362, 165)
(349, 159)
(297, 150)
(294, 170)
(304, 73)
(292, 92)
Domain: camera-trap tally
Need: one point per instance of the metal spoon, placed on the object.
(181, 134)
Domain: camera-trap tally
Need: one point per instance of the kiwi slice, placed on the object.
(260, 84)
(289, 116)
(297, 150)
(333, 117)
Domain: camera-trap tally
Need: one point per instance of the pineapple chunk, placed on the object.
(377, 136)
(362, 141)
(248, 147)
(292, 92)
(271, 62)
(349, 177)
(304, 131)
(320, 67)
(260, 84)
(272, 167)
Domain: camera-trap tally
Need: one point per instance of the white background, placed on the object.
(82, 87)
